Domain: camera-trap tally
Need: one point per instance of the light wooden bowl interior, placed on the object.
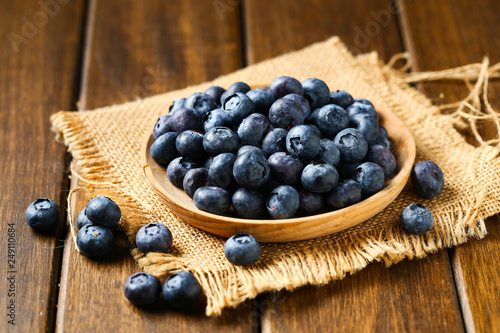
(294, 229)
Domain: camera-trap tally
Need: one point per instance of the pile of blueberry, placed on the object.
(290, 149)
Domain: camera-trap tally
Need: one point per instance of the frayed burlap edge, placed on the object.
(232, 286)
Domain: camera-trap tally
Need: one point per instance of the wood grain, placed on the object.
(412, 296)
(148, 47)
(463, 32)
(36, 79)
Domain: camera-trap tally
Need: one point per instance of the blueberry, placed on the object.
(285, 85)
(253, 129)
(347, 192)
(208, 162)
(246, 148)
(215, 92)
(220, 140)
(163, 149)
(237, 107)
(382, 131)
(274, 141)
(283, 202)
(142, 288)
(181, 290)
(213, 119)
(103, 211)
(331, 119)
(363, 101)
(190, 144)
(302, 101)
(242, 249)
(346, 170)
(212, 199)
(383, 141)
(286, 113)
(178, 168)
(365, 123)
(185, 119)
(427, 179)
(370, 177)
(262, 100)
(352, 145)
(94, 240)
(42, 214)
(303, 142)
(193, 180)
(310, 203)
(362, 108)
(221, 171)
(251, 170)
(201, 103)
(285, 168)
(82, 219)
(328, 153)
(162, 126)
(383, 157)
(416, 219)
(177, 104)
(154, 237)
(341, 98)
(249, 204)
(237, 87)
(319, 178)
(316, 92)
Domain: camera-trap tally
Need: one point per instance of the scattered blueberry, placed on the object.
(95, 240)
(193, 180)
(283, 202)
(249, 204)
(154, 237)
(285, 85)
(242, 249)
(181, 290)
(416, 219)
(163, 149)
(347, 192)
(42, 214)
(370, 177)
(82, 219)
(103, 211)
(142, 288)
(212, 199)
(427, 179)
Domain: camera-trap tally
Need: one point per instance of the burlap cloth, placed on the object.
(105, 144)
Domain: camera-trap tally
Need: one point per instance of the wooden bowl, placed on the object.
(294, 229)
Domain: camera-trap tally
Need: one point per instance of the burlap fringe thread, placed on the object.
(375, 248)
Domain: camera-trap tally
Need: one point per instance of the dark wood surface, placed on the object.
(97, 53)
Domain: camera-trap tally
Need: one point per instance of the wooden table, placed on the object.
(78, 54)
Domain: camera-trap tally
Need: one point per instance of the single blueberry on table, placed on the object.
(286, 113)
(142, 289)
(347, 192)
(82, 219)
(341, 98)
(302, 101)
(42, 214)
(370, 177)
(215, 92)
(212, 199)
(331, 119)
(201, 103)
(328, 153)
(283, 202)
(221, 171)
(251, 170)
(249, 204)
(352, 145)
(177, 169)
(103, 211)
(416, 219)
(383, 157)
(220, 140)
(365, 123)
(285, 168)
(181, 290)
(177, 104)
(310, 203)
(316, 92)
(95, 240)
(242, 249)
(185, 119)
(303, 142)
(362, 108)
(285, 85)
(236, 108)
(162, 126)
(253, 129)
(193, 180)
(163, 149)
(213, 119)
(427, 179)
(190, 144)
(237, 87)
(319, 178)
(262, 100)
(274, 141)
(154, 237)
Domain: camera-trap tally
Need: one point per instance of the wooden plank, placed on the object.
(463, 32)
(411, 296)
(36, 79)
(148, 47)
